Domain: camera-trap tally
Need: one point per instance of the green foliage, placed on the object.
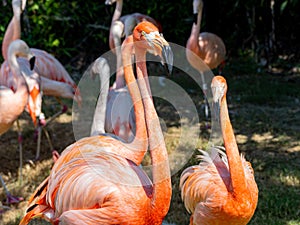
(73, 30)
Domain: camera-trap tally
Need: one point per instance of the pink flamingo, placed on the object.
(14, 97)
(222, 188)
(207, 46)
(93, 182)
(55, 80)
(119, 114)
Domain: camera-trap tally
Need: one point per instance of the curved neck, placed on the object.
(13, 32)
(232, 152)
(120, 81)
(159, 157)
(101, 68)
(118, 11)
(139, 144)
(193, 41)
(197, 21)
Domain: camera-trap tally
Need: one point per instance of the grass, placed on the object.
(264, 111)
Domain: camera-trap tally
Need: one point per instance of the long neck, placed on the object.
(139, 144)
(232, 152)
(159, 157)
(120, 82)
(193, 41)
(101, 68)
(196, 26)
(118, 11)
(13, 32)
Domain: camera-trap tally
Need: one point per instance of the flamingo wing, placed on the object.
(96, 182)
(49, 67)
(205, 185)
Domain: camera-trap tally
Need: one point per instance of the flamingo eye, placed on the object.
(143, 33)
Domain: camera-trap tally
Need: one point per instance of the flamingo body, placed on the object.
(119, 115)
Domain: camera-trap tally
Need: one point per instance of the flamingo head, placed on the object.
(18, 7)
(147, 37)
(110, 2)
(219, 89)
(20, 49)
(197, 7)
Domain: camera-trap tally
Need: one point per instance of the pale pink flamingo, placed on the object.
(207, 46)
(55, 80)
(119, 114)
(111, 100)
(93, 182)
(222, 188)
(14, 97)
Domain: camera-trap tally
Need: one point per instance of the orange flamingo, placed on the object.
(207, 46)
(119, 114)
(221, 189)
(94, 182)
(14, 97)
(55, 80)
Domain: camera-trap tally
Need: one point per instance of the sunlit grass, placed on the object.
(265, 116)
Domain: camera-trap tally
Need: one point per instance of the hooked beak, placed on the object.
(32, 62)
(165, 50)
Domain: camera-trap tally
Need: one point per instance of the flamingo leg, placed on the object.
(20, 140)
(55, 154)
(39, 135)
(204, 89)
(10, 199)
(42, 126)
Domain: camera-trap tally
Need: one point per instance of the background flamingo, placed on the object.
(221, 189)
(207, 46)
(122, 194)
(55, 80)
(13, 101)
(119, 113)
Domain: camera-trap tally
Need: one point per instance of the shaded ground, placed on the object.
(265, 114)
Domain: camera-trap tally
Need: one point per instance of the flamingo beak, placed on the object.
(32, 62)
(195, 18)
(167, 58)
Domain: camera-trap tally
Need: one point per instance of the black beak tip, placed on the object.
(32, 62)
(167, 55)
(195, 18)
